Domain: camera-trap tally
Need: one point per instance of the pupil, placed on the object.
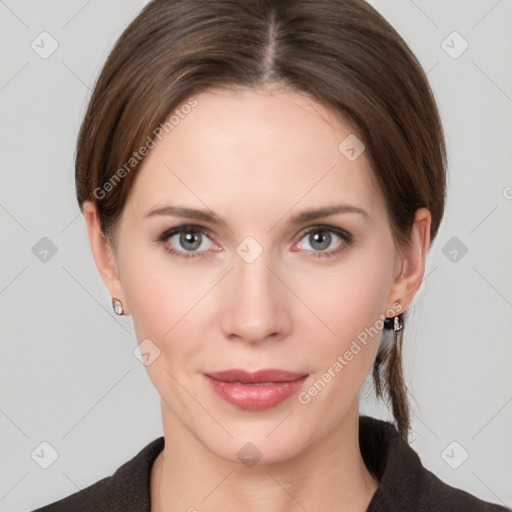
(188, 238)
(317, 238)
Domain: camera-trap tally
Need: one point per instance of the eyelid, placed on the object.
(325, 227)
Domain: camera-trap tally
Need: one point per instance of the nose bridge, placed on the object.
(254, 309)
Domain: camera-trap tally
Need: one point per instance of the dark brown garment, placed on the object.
(404, 484)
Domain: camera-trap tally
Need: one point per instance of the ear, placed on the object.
(103, 253)
(410, 267)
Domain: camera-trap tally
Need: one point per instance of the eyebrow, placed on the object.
(300, 218)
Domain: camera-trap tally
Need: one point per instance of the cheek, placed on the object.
(350, 298)
(351, 305)
(161, 302)
(149, 292)
(164, 298)
(350, 301)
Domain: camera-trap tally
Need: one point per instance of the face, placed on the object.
(259, 285)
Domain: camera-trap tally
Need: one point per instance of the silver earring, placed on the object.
(117, 306)
(394, 322)
(398, 323)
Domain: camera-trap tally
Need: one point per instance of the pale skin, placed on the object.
(256, 158)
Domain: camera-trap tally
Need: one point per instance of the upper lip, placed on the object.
(265, 375)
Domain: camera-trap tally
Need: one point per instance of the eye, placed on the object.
(194, 241)
(325, 241)
(187, 241)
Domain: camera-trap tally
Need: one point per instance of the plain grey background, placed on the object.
(68, 373)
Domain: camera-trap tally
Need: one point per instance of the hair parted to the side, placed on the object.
(342, 53)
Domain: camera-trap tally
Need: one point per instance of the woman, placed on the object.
(261, 182)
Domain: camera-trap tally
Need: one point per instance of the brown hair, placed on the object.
(342, 53)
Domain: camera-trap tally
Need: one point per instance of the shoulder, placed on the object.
(441, 496)
(93, 497)
(404, 483)
(126, 490)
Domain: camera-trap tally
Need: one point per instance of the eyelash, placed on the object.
(164, 237)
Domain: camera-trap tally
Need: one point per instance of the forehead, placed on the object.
(255, 149)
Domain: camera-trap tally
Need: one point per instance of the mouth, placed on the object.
(255, 391)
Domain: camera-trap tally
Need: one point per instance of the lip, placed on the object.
(255, 391)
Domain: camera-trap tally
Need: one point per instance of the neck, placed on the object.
(329, 476)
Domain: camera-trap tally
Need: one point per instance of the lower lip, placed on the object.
(255, 397)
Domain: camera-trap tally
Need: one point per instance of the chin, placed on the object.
(268, 441)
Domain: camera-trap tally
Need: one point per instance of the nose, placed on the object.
(256, 307)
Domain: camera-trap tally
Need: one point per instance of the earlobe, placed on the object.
(103, 253)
